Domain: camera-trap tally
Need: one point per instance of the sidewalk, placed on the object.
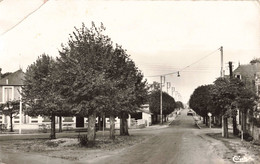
(236, 150)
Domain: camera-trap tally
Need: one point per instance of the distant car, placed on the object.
(189, 113)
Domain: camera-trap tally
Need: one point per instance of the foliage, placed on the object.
(168, 102)
(179, 104)
(39, 91)
(95, 77)
(201, 100)
(11, 108)
(255, 60)
(155, 86)
(224, 95)
(83, 140)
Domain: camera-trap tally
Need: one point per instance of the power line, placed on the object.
(186, 66)
(23, 18)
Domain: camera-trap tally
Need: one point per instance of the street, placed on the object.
(181, 143)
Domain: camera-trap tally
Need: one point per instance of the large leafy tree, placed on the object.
(246, 103)
(201, 101)
(96, 78)
(179, 105)
(39, 91)
(168, 103)
(225, 94)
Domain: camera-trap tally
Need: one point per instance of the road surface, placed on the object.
(181, 143)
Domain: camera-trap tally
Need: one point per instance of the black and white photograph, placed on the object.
(129, 81)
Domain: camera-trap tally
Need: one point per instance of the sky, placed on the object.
(160, 36)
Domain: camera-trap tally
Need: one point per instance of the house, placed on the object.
(142, 118)
(10, 87)
(250, 75)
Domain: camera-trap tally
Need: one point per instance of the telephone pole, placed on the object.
(230, 70)
(222, 75)
(161, 114)
(221, 71)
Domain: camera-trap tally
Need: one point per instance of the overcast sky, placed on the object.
(161, 36)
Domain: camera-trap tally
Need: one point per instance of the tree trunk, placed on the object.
(225, 127)
(53, 133)
(235, 130)
(123, 125)
(11, 123)
(204, 120)
(60, 124)
(112, 127)
(91, 129)
(99, 123)
(243, 121)
(207, 121)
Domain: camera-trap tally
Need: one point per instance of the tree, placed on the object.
(246, 103)
(255, 60)
(225, 92)
(179, 105)
(168, 103)
(11, 108)
(39, 91)
(201, 101)
(96, 78)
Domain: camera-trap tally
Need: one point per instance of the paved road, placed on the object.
(181, 143)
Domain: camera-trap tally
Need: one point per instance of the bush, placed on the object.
(246, 136)
(83, 140)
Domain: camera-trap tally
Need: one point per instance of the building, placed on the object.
(10, 87)
(250, 75)
(142, 118)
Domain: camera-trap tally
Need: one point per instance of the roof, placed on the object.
(14, 79)
(247, 70)
(145, 109)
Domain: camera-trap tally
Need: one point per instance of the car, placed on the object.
(189, 113)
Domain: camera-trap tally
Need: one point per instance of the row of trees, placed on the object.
(90, 78)
(223, 99)
(168, 103)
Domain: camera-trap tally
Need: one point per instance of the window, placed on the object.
(46, 119)
(8, 94)
(34, 121)
(68, 119)
(238, 76)
(16, 122)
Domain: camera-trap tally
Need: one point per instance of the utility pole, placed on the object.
(161, 115)
(230, 70)
(20, 112)
(221, 75)
(221, 70)
(168, 86)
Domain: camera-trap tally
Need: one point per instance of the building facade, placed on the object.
(250, 75)
(10, 88)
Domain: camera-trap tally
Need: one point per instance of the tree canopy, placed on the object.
(201, 100)
(168, 102)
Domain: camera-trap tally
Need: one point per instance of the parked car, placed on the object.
(190, 113)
